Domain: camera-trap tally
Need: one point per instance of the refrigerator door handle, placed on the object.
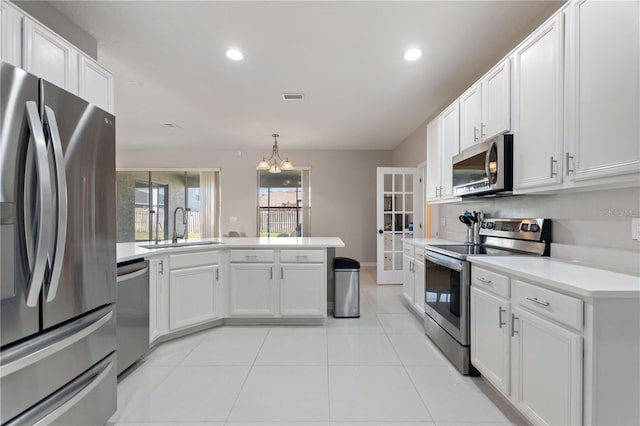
(61, 191)
(26, 360)
(37, 263)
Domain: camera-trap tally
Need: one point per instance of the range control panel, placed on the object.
(521, 229)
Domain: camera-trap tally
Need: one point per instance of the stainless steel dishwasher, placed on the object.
(132, 309)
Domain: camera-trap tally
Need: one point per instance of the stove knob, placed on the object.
(524, 227)
(490, 225)
(534, 227)
(484, 225)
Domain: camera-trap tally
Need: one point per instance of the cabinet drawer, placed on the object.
(408, 249)
(249, 255)
(186, 260)
(565, 309)
(490, 281)
(302, 256)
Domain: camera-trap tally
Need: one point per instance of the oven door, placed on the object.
(447, 294)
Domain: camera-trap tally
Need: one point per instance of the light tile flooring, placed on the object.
(379, 369)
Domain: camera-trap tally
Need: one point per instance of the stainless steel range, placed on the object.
(448, 278)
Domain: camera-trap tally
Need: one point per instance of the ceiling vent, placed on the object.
(293, 96)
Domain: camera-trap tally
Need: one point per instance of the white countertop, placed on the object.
(421, 242)
(129, 251)
(564, 276)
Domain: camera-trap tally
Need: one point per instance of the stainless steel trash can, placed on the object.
(346, 292)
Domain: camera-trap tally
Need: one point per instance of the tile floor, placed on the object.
(379, 369)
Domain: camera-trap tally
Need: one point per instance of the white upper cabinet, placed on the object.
(470, 116)
(434, 161)
(537, 98)
(496, 101)
(95, 83)
(485, 109)
(49, 56)
(602, 107)
(443, 142)
(10, 34)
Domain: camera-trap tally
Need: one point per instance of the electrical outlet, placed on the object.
(635, 228)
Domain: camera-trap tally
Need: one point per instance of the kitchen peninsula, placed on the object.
(208, 282)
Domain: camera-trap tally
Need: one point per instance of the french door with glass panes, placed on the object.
(395, 219)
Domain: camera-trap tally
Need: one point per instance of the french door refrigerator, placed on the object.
(57, 255)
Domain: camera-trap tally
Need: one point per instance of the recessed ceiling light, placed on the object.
(412, 55)
(234, 55)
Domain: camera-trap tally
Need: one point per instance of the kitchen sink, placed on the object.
(185, 244)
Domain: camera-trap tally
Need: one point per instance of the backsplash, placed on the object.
(599, 219)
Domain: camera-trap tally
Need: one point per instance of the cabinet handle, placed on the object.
(252, 257)
(485, 281)
(483, 130)
(551, 172)
(217, 274)
(568, 158)
(271, 273)
(436, 192)
(161, 267)
(441, 190)
(513, 325)
(500, 311)
(281, 273)
(475, 134)
(538, 301)
(305, 257)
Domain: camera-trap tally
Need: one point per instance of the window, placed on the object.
(150, 202)
(284, 203)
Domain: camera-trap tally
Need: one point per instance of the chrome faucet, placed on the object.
(184, 222)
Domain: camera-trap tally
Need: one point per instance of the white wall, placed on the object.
(343, 189)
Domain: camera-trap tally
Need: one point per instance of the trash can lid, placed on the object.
(345, 263)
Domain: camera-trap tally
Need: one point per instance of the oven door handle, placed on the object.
(445, 261)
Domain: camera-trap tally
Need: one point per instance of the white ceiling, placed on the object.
(169, 65)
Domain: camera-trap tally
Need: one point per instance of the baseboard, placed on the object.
(368, 264)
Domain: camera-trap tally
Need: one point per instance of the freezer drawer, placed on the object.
(34, 369)
(87, 401)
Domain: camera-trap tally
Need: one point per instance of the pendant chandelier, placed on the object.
(274, 164)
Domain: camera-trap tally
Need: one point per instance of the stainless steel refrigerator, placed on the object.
(57, 255)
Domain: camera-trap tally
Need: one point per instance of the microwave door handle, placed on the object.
(444, 261)
(61, 216)
(38, 259)
(487, 161)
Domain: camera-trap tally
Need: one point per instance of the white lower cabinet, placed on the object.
(193, 296)
(251, 290)
(520, 344)
(407, 282)
(303, 290)
(547, 370)
(418, 285)
(490, 339)
(158, 302)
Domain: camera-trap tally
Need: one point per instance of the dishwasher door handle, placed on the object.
(132, 275)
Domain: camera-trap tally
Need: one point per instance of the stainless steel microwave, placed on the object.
(485, 168)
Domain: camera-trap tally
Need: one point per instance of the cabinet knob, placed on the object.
(380, 231)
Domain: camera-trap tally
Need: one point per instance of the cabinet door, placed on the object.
(537, 121)
(95, 84)
(603, 49)
(418, 285)
(470, 116)
(10, 34)
(192, 296)
(49, 56)
(303, 290)
(407, 279)
(155, 290)
(490, 340)
(251, 290)
(547, 369)
(496, 101)
(450, 146)
(433, 159)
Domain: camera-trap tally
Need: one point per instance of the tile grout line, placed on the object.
(244, 382)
